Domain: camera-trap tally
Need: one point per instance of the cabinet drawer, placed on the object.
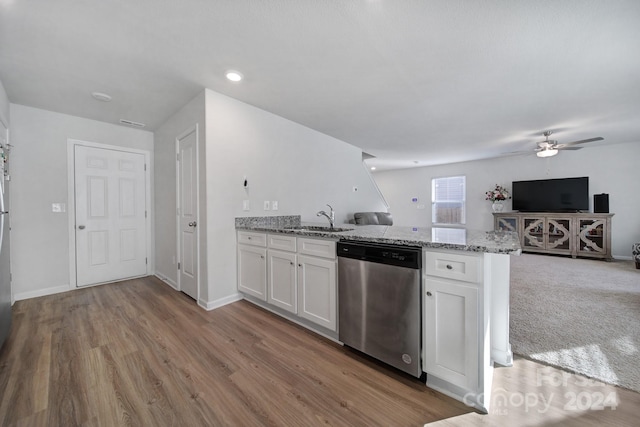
(253, 239)
(281, 242)
(452, 266)
(317, 247)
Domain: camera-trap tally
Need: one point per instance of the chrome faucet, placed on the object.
(331, 216)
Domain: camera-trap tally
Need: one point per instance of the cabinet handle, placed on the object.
(449, 267)
(248, 237)
(291, 263)
(299, 265)
(262, 256)
(428, 293)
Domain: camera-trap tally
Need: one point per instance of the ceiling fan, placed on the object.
(548, 148)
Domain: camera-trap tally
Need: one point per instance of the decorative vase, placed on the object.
(497, 206)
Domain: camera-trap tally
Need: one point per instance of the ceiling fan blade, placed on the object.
(582, 141)
(516, 153)
(569, 148)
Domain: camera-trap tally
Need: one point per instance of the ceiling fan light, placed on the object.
(547, 152)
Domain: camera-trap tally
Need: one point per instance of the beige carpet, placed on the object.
(578, 314)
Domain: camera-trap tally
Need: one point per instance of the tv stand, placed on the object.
(577, 234)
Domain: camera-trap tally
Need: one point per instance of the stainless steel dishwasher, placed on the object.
(379, 302)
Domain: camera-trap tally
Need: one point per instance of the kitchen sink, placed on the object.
(318, 229)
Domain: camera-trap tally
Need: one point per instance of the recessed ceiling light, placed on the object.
(234, 76)
(101, 96)
(373, 168)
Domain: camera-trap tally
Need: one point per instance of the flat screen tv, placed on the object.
(551, 195)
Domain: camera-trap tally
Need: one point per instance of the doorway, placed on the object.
(187, 195)
(110, 223)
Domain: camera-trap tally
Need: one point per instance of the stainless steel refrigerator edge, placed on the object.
(379, 299)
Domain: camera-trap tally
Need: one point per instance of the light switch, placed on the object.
(266, 205)
(274, 205)
(245, 205)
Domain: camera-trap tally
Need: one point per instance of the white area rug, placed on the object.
(578, 314)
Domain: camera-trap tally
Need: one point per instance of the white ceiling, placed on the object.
(429, 81)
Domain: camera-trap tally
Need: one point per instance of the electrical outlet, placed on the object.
(58, 207)
(274, 205)
(245, 205)
(266, 205)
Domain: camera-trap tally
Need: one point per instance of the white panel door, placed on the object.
(110, 199)
(188, 213)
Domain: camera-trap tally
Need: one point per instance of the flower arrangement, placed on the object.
(498, 193)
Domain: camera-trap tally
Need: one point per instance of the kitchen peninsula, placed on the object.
(290, 268)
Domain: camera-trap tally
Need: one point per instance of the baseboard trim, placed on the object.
(42, 292)
(212, 305)
(167, 281)
(504, 358)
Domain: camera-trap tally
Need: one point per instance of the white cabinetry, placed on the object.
(451, 332)
(252, 264)
(299, 275)
(317, 291)
(456, 351)
(282, 273)
(317, 282)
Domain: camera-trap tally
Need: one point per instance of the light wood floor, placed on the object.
(140, 353)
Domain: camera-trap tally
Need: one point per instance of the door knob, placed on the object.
(429, 294)
(81, 227)
(192, 224)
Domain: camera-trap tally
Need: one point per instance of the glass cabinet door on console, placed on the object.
(591, 236)
(558, 237)
(505, 223)
(547, 234)
(533, 233)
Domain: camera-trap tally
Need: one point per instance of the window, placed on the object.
(448, 196)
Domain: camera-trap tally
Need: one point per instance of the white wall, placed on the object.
(4, 105)
(300, 168)
(611, 169)
(39, 237)
(165, 202)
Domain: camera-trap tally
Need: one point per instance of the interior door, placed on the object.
(188, 213)
(110, 202)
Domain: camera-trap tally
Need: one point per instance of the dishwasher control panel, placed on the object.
(401, 256)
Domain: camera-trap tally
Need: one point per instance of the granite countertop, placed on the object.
(505, 242)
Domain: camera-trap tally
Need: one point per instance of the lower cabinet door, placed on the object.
(281, 283)
(451, 331)
(252, 271)
(317, 291)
